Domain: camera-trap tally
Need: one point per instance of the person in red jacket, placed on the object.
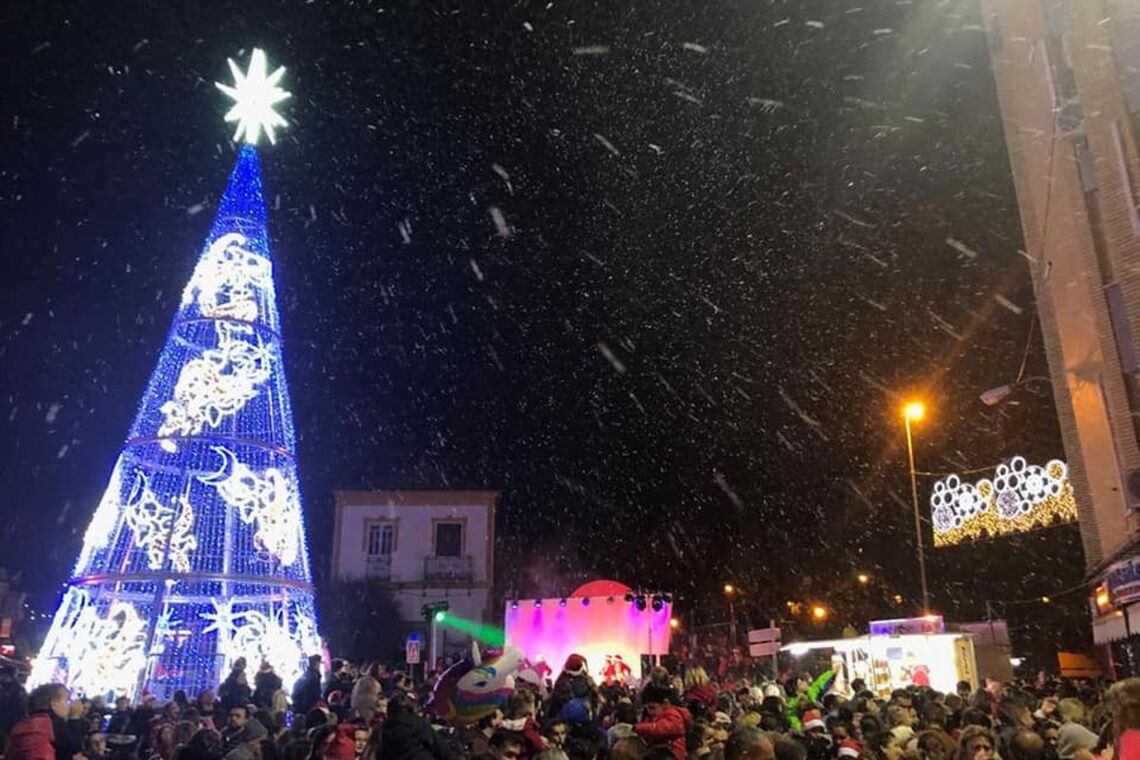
(44, 734)
(667, 725)
(699, 689)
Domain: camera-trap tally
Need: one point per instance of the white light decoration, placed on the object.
(227, 280)
(103, 522)
(1020, 497)
(165, 626)
(282, 640)
(255, 94)
(216, 385)
(267, 500)
(156, 524)
(47, 668)
(222, 619)
(103, 652)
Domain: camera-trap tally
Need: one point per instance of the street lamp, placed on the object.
(818, 613)
(914, 411)
(996, 395)
(863, 579)
(730, 592)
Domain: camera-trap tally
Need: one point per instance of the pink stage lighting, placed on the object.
(596, 621)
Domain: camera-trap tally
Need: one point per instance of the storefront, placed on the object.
(1115, 609)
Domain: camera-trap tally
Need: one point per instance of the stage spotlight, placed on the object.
(585, 601)
(641, 604)
(658, 603)
(537, 602)
(562, 602)
(609, 600)
(515, 604)
(629, 597)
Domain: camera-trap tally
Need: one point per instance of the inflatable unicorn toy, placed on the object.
(473, 688)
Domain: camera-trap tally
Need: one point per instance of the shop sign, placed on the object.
(1123, 581)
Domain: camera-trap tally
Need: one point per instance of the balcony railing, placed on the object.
(378, 567)
(449, 568)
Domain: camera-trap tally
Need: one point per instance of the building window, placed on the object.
(448, 539)
(381, 539)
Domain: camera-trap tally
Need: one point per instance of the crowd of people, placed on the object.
(373, 713)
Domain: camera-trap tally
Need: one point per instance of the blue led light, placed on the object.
(196, 554)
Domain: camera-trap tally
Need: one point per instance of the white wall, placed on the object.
(414, 515)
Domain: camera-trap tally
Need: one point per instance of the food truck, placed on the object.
(897, 654)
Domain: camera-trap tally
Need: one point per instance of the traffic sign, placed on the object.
(764, 636)
(412, 650)
(763, 650)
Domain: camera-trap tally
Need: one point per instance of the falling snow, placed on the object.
(612, 358)
(607, 144)
(962, 248)
(500, 222)
(626, 269)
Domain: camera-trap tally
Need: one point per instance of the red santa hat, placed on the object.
(850, 748)
(812, 719)
(575, 665)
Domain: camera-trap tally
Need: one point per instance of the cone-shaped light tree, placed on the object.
(196, 555)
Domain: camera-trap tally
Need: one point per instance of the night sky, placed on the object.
(658, 272)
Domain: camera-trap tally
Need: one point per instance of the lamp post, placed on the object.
(914, 411)
(997, 394)
(730, 592)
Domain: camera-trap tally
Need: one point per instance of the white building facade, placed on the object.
(425, 546)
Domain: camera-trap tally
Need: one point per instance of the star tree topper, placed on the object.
(255, 94)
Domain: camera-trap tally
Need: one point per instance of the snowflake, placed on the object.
(222, 619)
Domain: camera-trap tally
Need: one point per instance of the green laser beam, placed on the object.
(487, 634)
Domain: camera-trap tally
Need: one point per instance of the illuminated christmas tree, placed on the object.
(196, 554)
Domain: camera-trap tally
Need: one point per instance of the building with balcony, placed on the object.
(425, 546)
(1068, 84)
